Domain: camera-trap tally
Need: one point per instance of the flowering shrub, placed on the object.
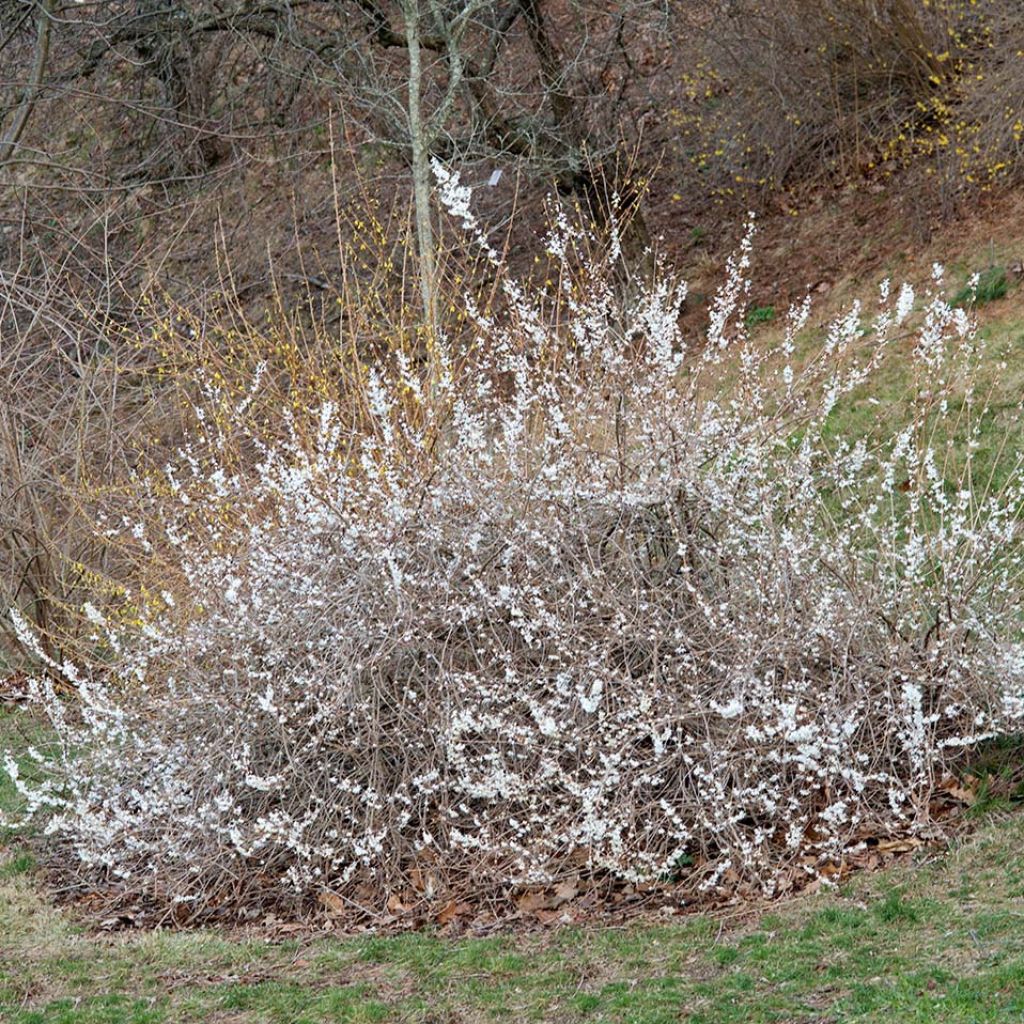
(573, 598)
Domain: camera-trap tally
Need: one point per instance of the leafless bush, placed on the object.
(798, 92)
(76, 408)
(817, 87)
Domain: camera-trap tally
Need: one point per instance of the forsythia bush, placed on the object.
(571, 598)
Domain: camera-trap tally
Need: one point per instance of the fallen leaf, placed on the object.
(447, 913)
(564, 892)
(334, 904)
(531, 902)
(452, 910)
(423, 881)
(396, 904)
(964, 790)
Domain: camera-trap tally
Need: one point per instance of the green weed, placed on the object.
(992, 284)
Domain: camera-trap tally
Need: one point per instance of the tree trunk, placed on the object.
(426, 254)
(44, 22)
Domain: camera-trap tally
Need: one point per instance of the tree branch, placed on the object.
(44, 25)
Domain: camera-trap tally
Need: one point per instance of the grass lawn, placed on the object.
(940, 939)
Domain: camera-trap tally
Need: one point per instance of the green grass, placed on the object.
(886, 403)
(993, 284)
(912, 945)
(759, 315)
(935, 941)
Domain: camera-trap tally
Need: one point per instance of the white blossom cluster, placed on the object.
(575, 597)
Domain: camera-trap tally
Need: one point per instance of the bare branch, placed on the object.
(44, 26)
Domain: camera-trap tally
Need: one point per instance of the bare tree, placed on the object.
(25, 95)
(553, 88)
(424, 128)
(527, 80)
